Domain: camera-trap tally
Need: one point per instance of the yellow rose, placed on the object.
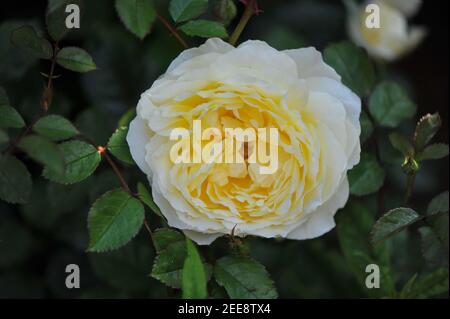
(251, 86)
(393, 38)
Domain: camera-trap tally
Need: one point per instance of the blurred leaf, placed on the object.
(3, 97)
(426, 129)
(127, 117)
(37, 212)
(81, 161)
(400, 143)
(244, 278)
(407, 288)
(147, 199)
(283, 38)
(193, 274)
(204, 29)
(168, 264)
(75, 59)
(183, 10)
(4, 138)
(102, 182)
(393, 222)
(114, 219)
(14, 62)
(55, 127)
(353, 65)
(367, 177)
(43, 151)
(433, 152)
(56, 16)
(15, 241)
(438, 205)
(68, 198)
(118, 145)
(26, 38)
(98, 130)
(390, 105)
(366, 127)
(125, 269)
(354, 224)
(15, 180)
(429, 285)
(136, 15)
(9, 117)
(434, 249)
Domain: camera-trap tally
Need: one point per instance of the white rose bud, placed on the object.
(393, 37)
(251, 86)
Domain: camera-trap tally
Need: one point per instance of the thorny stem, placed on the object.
(172, 30)
(45, 102)
(248, 12)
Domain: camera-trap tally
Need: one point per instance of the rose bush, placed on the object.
(251, 86)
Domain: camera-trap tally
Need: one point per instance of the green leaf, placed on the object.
(407, 288)
(81, 160)
(75, 59)
(55, 127)
(193, 275)
(168, 265)
(244, 278)
(353, 65)
(390, 105)
(114, 219)
(56, 16)
(43, 151)
(26, 38)
(429, 285)
(393, 222)
(434, 247)
(183, 10)
(433, 152)
(3, 97)
(147, 199)
(438, 205)
(400, 143)
(15, 180)
(9, 117)
(426, 129)
(125, 269)
(204, 29)
(354, 224)
(137, 16)
(366, 127)
(118, 145)
(367, 177)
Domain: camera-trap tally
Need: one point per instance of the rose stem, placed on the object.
(248, 12)
(172, 30)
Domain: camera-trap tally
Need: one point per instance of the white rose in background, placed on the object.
(251, 86)
(395, 37)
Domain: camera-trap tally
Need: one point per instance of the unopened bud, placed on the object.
(225, 10)
(410, 166)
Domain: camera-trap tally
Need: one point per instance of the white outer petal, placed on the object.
(137, 138)
(322, 220)
(212, 45)
(201, 238)
(310, 63)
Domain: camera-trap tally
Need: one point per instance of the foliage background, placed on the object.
(50, 231)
